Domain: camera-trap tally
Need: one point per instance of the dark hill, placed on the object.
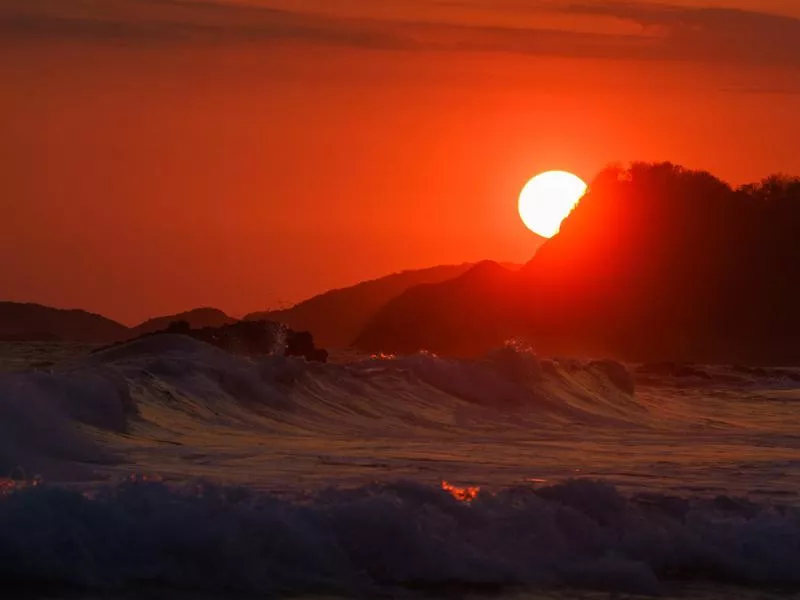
(197, 319)
(336, 317)
(461, 316)
(34, 322)
(659, 262)
(656, 263)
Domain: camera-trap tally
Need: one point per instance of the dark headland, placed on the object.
(657, 262)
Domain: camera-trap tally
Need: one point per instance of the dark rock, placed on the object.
(197, 318)
(318, 355)
(242, 337)
(181, 327)
(251, 338)
(301, 343)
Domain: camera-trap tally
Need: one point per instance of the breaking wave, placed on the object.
(380, 538)
(290, 447)
(48, 420)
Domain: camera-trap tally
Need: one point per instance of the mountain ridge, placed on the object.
(423, 318)
(337, 316)
(656, 263)
(334, 317)
(29, 321)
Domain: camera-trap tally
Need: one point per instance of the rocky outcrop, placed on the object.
(301, 343)
(251, 338)
(196, 318)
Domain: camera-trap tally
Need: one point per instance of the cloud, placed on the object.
(709, 34)
(165, 21)
(663, 32)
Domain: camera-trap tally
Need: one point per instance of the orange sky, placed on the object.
(159, 155)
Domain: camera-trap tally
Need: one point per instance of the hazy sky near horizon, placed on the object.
(163, 154)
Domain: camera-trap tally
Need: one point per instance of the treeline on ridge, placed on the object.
(656, 262)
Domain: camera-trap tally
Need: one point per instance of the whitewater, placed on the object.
(168, 465)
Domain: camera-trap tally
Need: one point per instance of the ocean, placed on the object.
(165, 467)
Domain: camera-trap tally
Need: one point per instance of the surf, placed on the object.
(388, 539)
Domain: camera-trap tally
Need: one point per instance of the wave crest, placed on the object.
(49, 417)
(581, 534)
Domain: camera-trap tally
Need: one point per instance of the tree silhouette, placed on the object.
(657, 262)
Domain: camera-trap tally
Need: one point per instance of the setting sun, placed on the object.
(547, 199)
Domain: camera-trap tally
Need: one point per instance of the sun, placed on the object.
(547, 199)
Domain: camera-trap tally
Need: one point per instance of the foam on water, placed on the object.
(166, 404)
(385, 537)
(292, 448)
(46, 416)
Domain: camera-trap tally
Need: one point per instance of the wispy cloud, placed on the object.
(664, 32)
(709, 34)
(180, 21)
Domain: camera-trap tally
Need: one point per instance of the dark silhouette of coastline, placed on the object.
(337, 316)
(657, 262)
(26, 322)
(33, 322)
(252, 338)
(196, 318)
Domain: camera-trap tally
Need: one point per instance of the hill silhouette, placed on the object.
(337, 316)
(663, 262)
(334, 317)
(657, 262)
(34, 322)
(461, 316)
(197, 318)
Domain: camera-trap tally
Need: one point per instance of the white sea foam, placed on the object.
(381, 538)
(273, 433)
(173, 374)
